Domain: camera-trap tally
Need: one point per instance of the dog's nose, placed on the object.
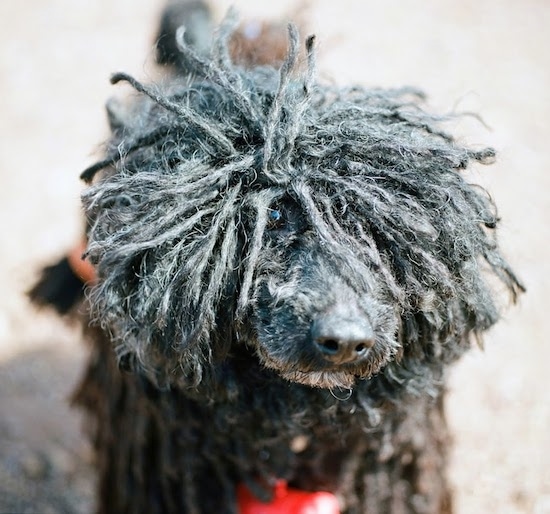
(342, 335)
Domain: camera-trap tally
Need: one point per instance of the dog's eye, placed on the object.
(275, 219)
(285, 218)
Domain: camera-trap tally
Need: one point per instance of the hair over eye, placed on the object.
(276, 219)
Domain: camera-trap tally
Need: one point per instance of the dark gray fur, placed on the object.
(235, 208)
(370, 184)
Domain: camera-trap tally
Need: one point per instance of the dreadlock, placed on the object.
(179, 214)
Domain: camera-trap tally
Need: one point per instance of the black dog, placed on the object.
(287, 269)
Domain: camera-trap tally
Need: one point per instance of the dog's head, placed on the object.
(326, 231)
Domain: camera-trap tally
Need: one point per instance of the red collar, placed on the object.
(287, 501)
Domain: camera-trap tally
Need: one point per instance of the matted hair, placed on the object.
(178, 215)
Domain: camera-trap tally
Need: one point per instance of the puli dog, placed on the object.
(283, 272)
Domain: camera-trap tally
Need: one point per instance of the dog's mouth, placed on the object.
(333, 377)
(311, 369)
(321, 379)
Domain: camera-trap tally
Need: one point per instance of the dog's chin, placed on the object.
(321, 379)
(344, 378)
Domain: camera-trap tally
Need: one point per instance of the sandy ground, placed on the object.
(487, 56)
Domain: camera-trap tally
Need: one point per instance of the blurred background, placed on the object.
(491, 57)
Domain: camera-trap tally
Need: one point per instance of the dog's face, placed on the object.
(327, 231)
(305, 281)
(318, 317)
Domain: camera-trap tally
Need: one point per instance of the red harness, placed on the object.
(287, 501)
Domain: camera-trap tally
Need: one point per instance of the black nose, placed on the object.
(342, 335)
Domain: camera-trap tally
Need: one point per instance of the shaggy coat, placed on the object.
(240, 218)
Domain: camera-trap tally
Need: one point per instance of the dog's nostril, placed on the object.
(361, 347)
(341, 351)
(328, 346)
(333, 346)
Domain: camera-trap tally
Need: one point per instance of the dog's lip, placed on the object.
(312, 374)
(314, 371)
(347, 370)
(321, 379)
(350, 368)
(316, 365)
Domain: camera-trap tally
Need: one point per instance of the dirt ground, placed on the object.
(487, 56)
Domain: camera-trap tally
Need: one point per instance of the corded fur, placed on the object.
(178, 219)
(232, 208)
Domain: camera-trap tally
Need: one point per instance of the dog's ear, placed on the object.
(58, 286)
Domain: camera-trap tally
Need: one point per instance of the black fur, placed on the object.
(58, 287)
(238, 221)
